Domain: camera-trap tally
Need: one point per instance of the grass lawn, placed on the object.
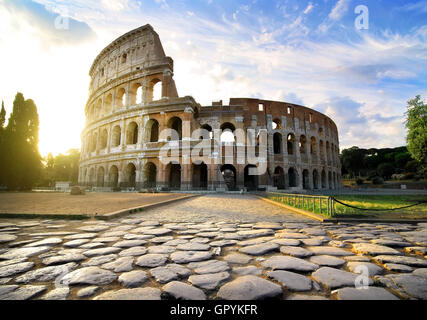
(382, 202)
(319, 205)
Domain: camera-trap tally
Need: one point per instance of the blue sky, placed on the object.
(306, 52)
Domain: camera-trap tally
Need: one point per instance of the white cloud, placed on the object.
(339, 10)
(309, 8)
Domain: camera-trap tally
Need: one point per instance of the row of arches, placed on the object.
(281, 179)
(132, 135)
(313, 180)
(124, 97)
(314, 147)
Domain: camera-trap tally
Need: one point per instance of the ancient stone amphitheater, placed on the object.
(133, 100)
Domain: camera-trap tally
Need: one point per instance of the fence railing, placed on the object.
(316, 204)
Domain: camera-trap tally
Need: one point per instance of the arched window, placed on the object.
(291, 143)
(121, 98)
(132, 134)
(313, 149)
(100, 177)
(207, 133)
(131, 175)
(157, 90)
(227, 135)
(277, 124)
(302, 144)
(293, 178)
(116, 137)
(277, 142)
(152, 132)
(124, 58)
(113, 177)
(305, 180)
(150, 171)
(176, 125)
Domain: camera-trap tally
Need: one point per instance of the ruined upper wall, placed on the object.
(139, 50)
(290, 115)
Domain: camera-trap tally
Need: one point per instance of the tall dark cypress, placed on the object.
(22, 157)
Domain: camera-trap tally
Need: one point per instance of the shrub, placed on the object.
(385, 170)
(377, 180)
(359, 182)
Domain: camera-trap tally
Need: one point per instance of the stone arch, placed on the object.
(120, 98)
(328, 152)
(316, 180)
(305, 179)
(136, 93)
(229, 174)
(330, 180)
(116, 136)
(156, 89)
(313, 146)
(200, 176)
(277, 143)
(113, 177)
(279, 178)
(175, 123)
(131, 175)
(152, 131)
(251, 181)
(291, 143)
(108, 103)
(173, 171)
(150, 173)
(293, 178)
(323, 179)
(206, 135)
(104, 139)
(302, 144)
(277, 124)
(100, 177)
(227, 135)
(132, 133)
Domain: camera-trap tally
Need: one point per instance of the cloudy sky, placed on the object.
(305, 52)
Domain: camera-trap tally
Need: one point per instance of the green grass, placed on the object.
(382, 202)
(378, 202)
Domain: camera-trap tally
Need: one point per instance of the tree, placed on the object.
(352, 160)
(2, 146)
(22, 161)
(416, 123)
(385, 170)
(61, 168)
(2, 117)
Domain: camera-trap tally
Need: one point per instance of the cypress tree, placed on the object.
(23, 160)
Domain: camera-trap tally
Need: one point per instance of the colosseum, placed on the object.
(133, 99)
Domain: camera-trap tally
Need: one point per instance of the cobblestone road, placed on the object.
(211, 247)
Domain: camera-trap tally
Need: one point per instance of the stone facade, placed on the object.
(133, 99)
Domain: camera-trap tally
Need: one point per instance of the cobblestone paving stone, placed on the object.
(213, 247)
